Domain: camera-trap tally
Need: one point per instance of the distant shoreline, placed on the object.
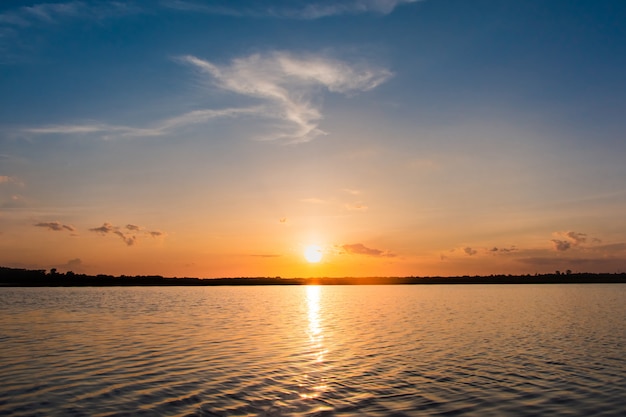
(14, 277)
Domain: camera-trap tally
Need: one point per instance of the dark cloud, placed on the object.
(496, 249)
(74, 262)
(105, 228)
(56, 226)
(361, 249)
(561, 245)
(577, 238)
(568, 240)
(470, 251)
(130, 237)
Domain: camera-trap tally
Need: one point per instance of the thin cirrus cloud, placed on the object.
(163, 127)
(26, 16)
(303, 10)
(129, 233)
(287, 85)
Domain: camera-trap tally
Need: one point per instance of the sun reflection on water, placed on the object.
(316, 382)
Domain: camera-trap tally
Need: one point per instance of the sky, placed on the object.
(194, 138)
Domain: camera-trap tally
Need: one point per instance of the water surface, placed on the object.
(463, 350)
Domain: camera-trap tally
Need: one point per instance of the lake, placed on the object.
(421, 350)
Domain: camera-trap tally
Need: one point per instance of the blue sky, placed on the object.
(215, 138)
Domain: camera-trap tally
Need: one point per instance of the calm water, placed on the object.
(557, 350)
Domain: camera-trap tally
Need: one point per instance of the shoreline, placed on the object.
(14, 277)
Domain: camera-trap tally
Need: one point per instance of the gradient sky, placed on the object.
(221, 138)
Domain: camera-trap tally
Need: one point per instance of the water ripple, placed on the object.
(314, 351)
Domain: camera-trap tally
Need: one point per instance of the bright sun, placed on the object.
(313, 253)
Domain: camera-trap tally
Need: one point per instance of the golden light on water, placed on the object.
(316, 338)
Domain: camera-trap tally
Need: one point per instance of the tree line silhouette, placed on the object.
(17, 277)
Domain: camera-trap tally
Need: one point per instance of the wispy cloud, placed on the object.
(16, 23)
(56, 226)
(356, 207)
(306, 10)
(129, 233)
(56, 12)
(361, 249)
(109, 131)
(288, 85)
(5, 179)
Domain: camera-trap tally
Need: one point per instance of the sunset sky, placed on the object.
(224, 138)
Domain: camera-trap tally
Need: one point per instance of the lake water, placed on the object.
(464, 350)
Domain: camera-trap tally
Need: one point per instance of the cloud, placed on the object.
(16, 24)
(15, 201)
(129, 234)
(305, 10)
(495, 250)
(567, 240)
(561, 245)
(577, 238)
(56, 226)
(356, 207)
(163, 127)
(265, 256)
(133, 227)
(7, 179)
(287, 85)
(74, 262)
(51, 13)
(361, 249)
(470, 251)
(109, 131)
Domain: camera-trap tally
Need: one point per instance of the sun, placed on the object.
(313, 254)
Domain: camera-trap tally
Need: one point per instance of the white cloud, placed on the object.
(306, 10)
(56, 12)
(288, 84)
(109, 131)
(317, 10)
